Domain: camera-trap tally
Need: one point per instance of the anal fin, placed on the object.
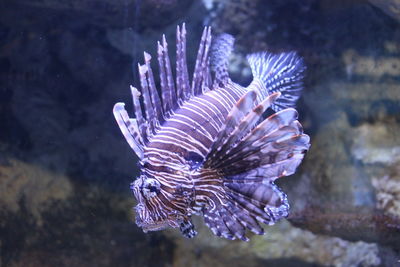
(245, 206)
(263, 201)
(187, 228)
(230, 223)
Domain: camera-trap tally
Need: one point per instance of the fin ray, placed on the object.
(148, 105)
(278, 73)
(277, 142)
(142, 125)
(129, 129)
(244, 217)
(241, 126)
(169, 76)
(221, 48)
(200, 69)
(265, 202)
(155, 98)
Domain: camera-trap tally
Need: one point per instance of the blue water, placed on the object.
(65, 168)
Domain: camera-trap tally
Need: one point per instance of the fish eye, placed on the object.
(150, 187)
(154, 189)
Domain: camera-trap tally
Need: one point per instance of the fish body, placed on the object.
(205, 147)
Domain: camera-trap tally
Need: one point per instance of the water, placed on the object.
(65, 169)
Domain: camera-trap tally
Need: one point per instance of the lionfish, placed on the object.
(205, 147)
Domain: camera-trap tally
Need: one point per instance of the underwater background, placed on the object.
(65, 168)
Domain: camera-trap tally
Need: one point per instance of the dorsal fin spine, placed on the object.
(155, 98)
(170, 78)
(184, 67)
(199, 74)
(129, 129)
(165, 90)
(182, 76)
(138, 113)
(148, 106)
(179, 78)
(205, 62)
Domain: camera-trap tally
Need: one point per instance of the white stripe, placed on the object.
(166, 131)
(194, 124)
(214, 111)
(207, 117)
(174, 141)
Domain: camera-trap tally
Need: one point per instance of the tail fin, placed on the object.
(278, 73)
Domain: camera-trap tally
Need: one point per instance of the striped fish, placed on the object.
(203, 144)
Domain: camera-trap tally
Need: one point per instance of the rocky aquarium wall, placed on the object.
(65, 168)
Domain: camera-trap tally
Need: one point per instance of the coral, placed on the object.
(282, 241)
(377, 143)
(335, 194)
(32, 187)
(388, 193)
(369, 66)
(378, 147)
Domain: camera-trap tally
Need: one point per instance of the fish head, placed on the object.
(158, 207)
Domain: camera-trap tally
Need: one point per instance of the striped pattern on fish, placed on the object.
(203, 144)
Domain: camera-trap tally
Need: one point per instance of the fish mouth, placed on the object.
(154, 226)
(147, 223)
